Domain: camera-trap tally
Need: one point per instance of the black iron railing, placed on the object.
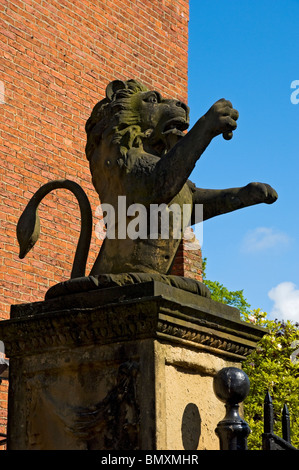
(231, 386)
(270, 440)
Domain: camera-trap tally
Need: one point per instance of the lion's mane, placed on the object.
(114, 116)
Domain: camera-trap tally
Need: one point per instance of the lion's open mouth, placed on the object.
(175, 126)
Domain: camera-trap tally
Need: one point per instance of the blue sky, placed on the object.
(247, 52)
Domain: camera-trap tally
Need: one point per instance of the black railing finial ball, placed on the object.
(231, 386)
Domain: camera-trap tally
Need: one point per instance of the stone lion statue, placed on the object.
(140, 154)
(136, 147)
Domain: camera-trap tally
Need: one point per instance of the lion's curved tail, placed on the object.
(28, 228)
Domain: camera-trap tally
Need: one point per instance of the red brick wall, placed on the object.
(188, 263)
(57, 57)
(56, 60)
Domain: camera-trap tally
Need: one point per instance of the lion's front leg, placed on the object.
(256, 193)
(172, 171)
(221, 201)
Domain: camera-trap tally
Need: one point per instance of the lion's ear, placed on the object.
(113, 87)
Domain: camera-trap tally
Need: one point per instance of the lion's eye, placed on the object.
(152, 99)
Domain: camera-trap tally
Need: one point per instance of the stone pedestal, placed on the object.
(121, 368)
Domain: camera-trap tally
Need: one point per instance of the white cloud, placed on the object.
(286, 301)
(263, 238)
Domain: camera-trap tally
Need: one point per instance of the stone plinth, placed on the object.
(121, 368)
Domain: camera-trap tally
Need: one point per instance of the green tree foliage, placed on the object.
(273, 366)
(225, 296)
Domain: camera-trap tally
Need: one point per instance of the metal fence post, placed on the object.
(270, 441)
(231, 386)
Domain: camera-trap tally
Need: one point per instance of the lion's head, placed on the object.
(132, 116)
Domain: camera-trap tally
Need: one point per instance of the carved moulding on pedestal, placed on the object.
(158, 311)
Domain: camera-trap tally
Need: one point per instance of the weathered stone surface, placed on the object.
(97, 370)
(137, 147)
(142, 310)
